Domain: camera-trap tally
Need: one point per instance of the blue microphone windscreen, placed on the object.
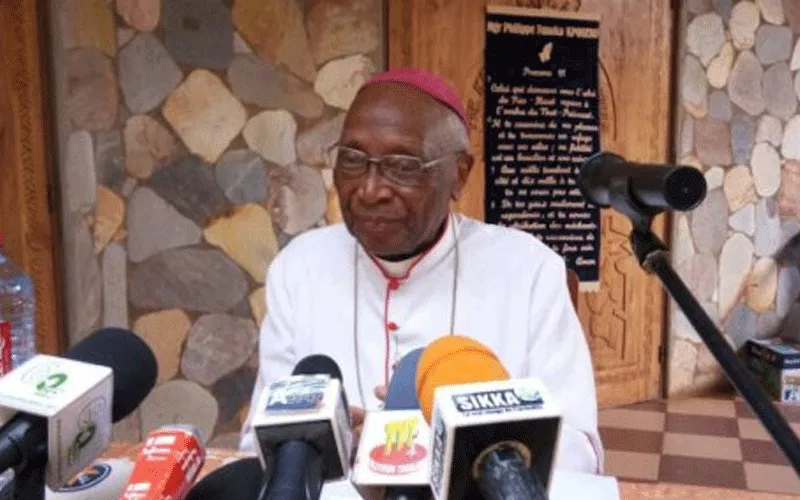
(402, 391)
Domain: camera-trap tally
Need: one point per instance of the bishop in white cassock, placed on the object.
(404, 269)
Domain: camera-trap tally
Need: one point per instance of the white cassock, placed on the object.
(510, 294)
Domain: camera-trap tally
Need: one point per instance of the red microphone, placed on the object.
(167, 465)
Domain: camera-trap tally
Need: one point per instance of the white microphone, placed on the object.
(490, 437)
(103, 480)
(303, 431)
(61, 408)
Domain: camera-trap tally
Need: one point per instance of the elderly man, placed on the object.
(404, 269)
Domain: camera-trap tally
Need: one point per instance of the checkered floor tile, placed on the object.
(705, 442)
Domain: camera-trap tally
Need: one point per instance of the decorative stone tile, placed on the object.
(790, 145)
(140, 14)
(691, 161)
(109, 159)
(770, 129)
(705, 36)
(740, 325)
(686, 147)
(92, 96)
(792, 11)
(706, 362)
(744, 83)
(234, 391)
(147, 73)
(724, 8)
(247, 237)
(743, 133)
(242, 310)
(789, 253)
(272, 135)
(255, 81)
(314, 143)
(766, 167)
(739, 188)
(744, 220)
(258, 305)
(683, 359)
(189, 185)
(683, 329)
(189, 279)
(779, 92)
(339, 80)
(719, 106)
(345, 27)
(683, 248)
(762, 285)
(734, 266)
(83, 279)
(204, 114)
(773, 44)
(772, 11)
(149, 145)
(66, 20)
(95, 26)
(239, 45)
(767, 324)
(242, 176)
(180, 402)
(788, 289)
(694, 91)
(124, 35)
(769, 235)
(146, 238)
(115, 293)
(795, 62)
(129, 429)
(714, 178)
(789, 199)
(226, 441)
(199, 33)
(743, 24)
(276, 31)
(79, 172)
(720, 67)
(702, 276)
(333, 214)
(710, 223)
(217, 345)
(698, 6)
(164, 332)
(712, 139)
(301, 198)
(128, 186)
(108, 216)
(797, 84)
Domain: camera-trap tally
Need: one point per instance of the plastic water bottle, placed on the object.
(18, 309)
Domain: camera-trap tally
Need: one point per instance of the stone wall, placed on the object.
(739, 122)
(193, 135)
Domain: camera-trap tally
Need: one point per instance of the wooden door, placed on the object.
(625, 320)
(26, 220)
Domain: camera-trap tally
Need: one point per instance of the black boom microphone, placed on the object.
(606, 179)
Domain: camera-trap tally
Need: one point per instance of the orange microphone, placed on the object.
(492, 436)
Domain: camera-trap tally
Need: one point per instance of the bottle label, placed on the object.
(5, 347)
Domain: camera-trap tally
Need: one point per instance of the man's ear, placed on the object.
(463, 168)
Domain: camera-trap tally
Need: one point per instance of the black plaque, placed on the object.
(542, 122)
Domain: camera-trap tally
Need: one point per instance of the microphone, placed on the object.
(167, 464)
(606, 179)
(393, 450)
(104, 479)
(303, 431)
(239, 480)
(66, 405)
(492, 437)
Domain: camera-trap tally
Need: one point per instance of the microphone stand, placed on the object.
(30, 481)
(653, 256)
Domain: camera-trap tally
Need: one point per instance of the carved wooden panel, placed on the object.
(26, 221)
(624, 321)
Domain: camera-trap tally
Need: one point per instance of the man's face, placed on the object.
(387, 218)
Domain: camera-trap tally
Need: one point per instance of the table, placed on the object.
(628, 490)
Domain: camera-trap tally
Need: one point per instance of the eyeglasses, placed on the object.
(404, 170)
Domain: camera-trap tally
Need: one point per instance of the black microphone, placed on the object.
(606, 180)
(239, 480)
(303, 431)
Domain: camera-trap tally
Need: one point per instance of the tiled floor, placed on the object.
(707, 442)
